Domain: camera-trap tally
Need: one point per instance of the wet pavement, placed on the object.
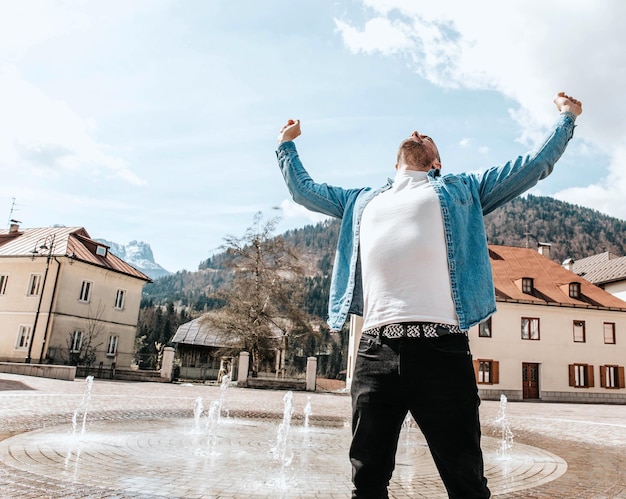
(141, 440)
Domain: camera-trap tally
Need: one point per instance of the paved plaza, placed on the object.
(59, 439)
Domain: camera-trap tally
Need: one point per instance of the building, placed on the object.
(199, 351)
(555, 336)
(203, 352)
(65, 299)
(606, 270)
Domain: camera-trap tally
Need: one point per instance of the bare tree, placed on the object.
(264, 299)
(82, 350)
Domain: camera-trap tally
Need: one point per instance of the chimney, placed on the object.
(568, 264)
(14, 228)
(544, 249)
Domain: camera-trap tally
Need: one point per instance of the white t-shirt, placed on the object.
(403, 256)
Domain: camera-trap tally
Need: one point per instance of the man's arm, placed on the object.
(322, 198)
(500, 184)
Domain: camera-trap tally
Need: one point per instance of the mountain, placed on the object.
(572, 231)
(139, 255)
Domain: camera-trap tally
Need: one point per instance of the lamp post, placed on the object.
(46, 245)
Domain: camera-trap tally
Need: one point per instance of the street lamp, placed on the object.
(47, 244)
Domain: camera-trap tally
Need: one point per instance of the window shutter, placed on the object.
(590, 376)
(495, 372)
(572, 376)
(476, 366)
(603, 376)
(620, 377)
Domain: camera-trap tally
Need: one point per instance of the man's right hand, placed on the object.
(566, 103)
(289, 131)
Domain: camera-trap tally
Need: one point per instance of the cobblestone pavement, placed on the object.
(141, 440)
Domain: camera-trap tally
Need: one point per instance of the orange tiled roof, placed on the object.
(551, 281)
(71, 242)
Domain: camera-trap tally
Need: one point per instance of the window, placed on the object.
(76, 342)
(581, 375)
(530, 328)
(484, 329)
(527, 285)
(612, 377)
(574, 290)
(3, 284)
(101, 251)
(579, 331)
(34, 285)
(85, 291)
(112, 345)
(23, 337)
(487, 372)
(119, 298)
(609, 333)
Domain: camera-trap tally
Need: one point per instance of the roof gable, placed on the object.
(70, 242)
(550, 280)
(201, 332)
(601, 268)
(198, 332)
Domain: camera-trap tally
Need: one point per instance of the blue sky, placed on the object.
(156, 120)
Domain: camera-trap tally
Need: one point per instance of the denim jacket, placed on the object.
(465, 198)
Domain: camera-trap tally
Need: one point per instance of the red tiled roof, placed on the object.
(72, 242)
(551, 281)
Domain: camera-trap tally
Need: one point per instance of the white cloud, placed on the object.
(47, 138)
(526, 50)
(378, 35)
(25, 24)
(606, 196)
(291, 211)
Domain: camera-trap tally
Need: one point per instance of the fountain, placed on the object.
(406, 429)
(213, 420)
(223, 387)
(83, 407)
(73, 453)
(240, 456)
(197, 413)
(504, 429)
(281, 451)
(307, 411)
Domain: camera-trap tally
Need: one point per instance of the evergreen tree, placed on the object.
(155, 329)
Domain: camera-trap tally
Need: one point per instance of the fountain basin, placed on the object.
(170, 457)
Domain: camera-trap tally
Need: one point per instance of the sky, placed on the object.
(156, 120)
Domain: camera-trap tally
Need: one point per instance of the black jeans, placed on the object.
(433, 378)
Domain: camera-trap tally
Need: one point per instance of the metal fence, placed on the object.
(100, 371)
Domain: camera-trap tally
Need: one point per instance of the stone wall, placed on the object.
(579, 397)
(67, 373)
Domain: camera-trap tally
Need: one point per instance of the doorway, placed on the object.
(530, 380)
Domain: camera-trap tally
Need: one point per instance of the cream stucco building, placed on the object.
(64, 298)
(555, 336)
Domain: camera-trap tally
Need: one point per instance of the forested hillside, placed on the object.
(573, 231)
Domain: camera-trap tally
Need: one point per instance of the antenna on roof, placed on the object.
(527, 238)
(13, 208)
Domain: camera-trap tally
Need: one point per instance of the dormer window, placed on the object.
(101, 251)
(574, 290)
(528, 286)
